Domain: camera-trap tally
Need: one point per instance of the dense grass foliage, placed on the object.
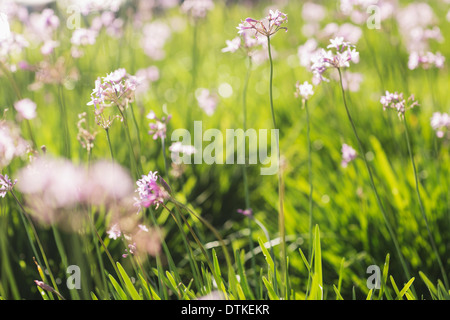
(198, 243)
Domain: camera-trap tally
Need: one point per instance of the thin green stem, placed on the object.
(38, 241)
(372, 183)
(281, 223)
(244, 167)
(66, 148)
(311, 187)
(109, 144)
(422, 210)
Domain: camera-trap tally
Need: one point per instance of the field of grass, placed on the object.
(314, 228)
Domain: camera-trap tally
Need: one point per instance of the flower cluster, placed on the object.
(117, 88)
(26, 109)
(12, 144)
(158, 128)
(197, 9)
(149, 191)
(6, 185)
(245, 212)
(267, 26)
(440, 122)
(348, 155)
(54, 188)
(426, 60)
(207, 100)
(396, 101)
(325, 59)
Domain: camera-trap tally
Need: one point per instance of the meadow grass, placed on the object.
(314, 228)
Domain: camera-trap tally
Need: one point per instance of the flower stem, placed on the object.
(372, 183)
(281, 222)
(109, 144)
(422, 210)
(311, 188)
(244, 167)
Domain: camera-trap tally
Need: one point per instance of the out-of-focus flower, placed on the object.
(396, 101)
(12, 144)
(6, 185)
(156, 34)
(158, 128)
(305, 90)
(57, 72)
(83, 37)
(323, 59)
(26, 109)
(347, 31)
(89, 6)
(313, 12)
(116, 88)
(114, 232)
(246, 212)
(197, 9)
(426, 60)
(232, 45)
(54, 189)
(440, 122)
(306, 52)
(207, 100)
(351, 80)
(348, 155)
(267, 26)
(146, 77)
(150, 193)
(5, 32)
(84, 136)
(177, 147)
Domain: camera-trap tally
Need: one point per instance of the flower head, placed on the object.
(440, 122)
(116, 88)
(323, 59)
(268, 26)
(246, 212)
(26, 109)
(207, 100)
(158, 128)
(150, 193)
(12, 144)
(305, 90)
(6, 185)
(348, 155)
(396, 101)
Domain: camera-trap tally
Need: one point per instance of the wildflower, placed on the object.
(12, 144)
(197, 9)
(247, 212)
(114, 232)
(156, 34)
(83, 37)
(396, 101)
(232, 45)
(268, 26)
(116, 88)
(26, 109)
(426, 60)
(85, 137)
(323, 59)
(304, 90)
(440, 122)
(149, 191)
(348, 155)
(6, 185)
(158, 128)
(207, 101)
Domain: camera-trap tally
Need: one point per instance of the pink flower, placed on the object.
(197, 9)
(268, 26)
(6, 185)
(5, 32)
(232, 45)
(26, 109)
(207, 101)
(114, 232)
(158, 128)
(440, 122)
(348, 155)
(12, 144)
(323, 60)
(149, 191)
(246, 212)
(396, 101)
(426, 60)
(305, 90)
